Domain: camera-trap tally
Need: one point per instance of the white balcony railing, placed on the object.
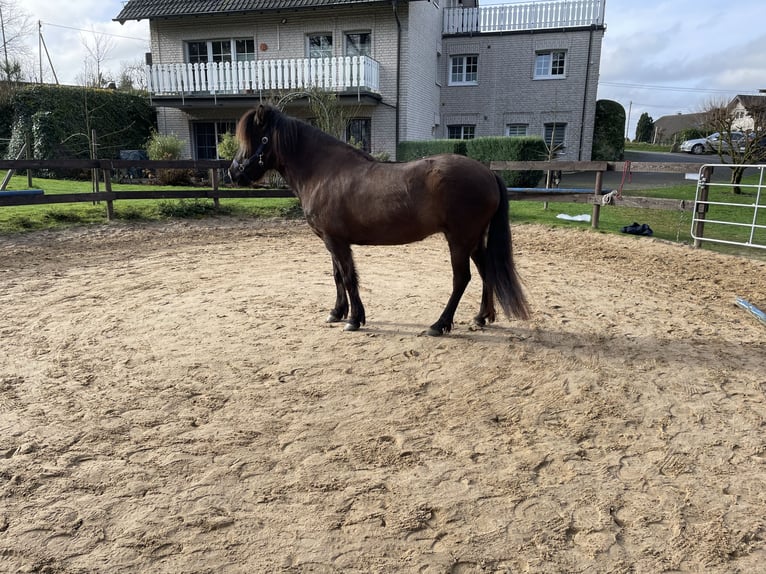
(524, 16)
(221, 78)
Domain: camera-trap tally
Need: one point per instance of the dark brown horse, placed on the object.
(350, 198)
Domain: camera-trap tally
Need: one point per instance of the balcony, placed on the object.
(524, 17)
(213, 79)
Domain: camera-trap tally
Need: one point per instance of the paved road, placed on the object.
(612, 180)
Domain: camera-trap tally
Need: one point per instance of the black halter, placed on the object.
(241, 167)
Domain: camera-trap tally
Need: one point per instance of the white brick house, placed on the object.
(411, 70)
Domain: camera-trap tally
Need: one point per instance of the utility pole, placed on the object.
(5, 47)
(627, 124)
(41, 46)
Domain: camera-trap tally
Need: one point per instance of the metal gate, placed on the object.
(721, 216)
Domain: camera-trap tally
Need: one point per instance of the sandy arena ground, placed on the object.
(171, 401)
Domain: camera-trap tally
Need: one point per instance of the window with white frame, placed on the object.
(555, 135)
(550, 64)
(358, 44)
(461, 132)
(516, 130)
(464, 70)
(319, 46)
(236, 49)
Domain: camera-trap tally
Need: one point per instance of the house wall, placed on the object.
(508, 93)
(286, 40)
(420, 86)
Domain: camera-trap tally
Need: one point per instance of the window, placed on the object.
(555, 135)
(197, 52)
(550, 64)
(358, 133)
(319, 46)
(461, 132)
(516, 130)
(220, 50)
(464, 70)
(207, 135)
(245, 50)
(358, 44)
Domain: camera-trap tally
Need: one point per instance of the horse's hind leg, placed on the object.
(487, 312)
(346, 280)
(340, 311)
(461, 276)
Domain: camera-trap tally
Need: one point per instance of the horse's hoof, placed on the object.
(434, 332)
(333, 318)
(351, 327)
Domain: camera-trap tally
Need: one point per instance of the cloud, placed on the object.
(65, 27)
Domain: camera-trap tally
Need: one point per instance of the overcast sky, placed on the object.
(659, 56)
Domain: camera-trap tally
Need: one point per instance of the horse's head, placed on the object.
(256, 154)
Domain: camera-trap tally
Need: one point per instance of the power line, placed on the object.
(95, 32)
(673, 88)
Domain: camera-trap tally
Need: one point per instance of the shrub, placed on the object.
(410, 150)
(609, 132)
(503, 148)
(228, 146)
(168, 147)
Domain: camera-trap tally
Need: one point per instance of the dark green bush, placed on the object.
(410, 150)
(59, 121)
(501, 148)
(609, 132)
(484, 150)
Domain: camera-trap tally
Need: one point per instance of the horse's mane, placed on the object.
(290, 135)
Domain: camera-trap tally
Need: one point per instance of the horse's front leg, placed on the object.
(344, 270)
(340, 311)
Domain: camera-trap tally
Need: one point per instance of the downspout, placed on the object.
(394, 4)
(585, 95)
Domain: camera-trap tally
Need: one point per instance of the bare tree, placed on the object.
(132, 76)
(737, 146)
(15, 25)
(99, 46)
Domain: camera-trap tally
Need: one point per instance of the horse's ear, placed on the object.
(261, 115)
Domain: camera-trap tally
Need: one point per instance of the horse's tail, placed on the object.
(501, 275)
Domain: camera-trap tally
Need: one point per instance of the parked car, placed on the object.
(711, 143)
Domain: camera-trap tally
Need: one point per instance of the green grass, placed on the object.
(667, 225)
(639, 146)
(37, 217)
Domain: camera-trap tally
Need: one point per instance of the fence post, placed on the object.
(94, 155)
(108, 188)
(701, 207)
(214, 184)
(597, 199)
(28, 146)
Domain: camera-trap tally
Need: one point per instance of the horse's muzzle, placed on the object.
(238, 174)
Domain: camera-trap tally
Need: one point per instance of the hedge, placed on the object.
(59, 119)
(485, 150)
(609, 131)
(410, 150)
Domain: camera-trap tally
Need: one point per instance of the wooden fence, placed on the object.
(107, 170)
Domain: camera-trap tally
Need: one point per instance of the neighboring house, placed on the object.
(408, 70)
(667, 129)
(749, 113)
